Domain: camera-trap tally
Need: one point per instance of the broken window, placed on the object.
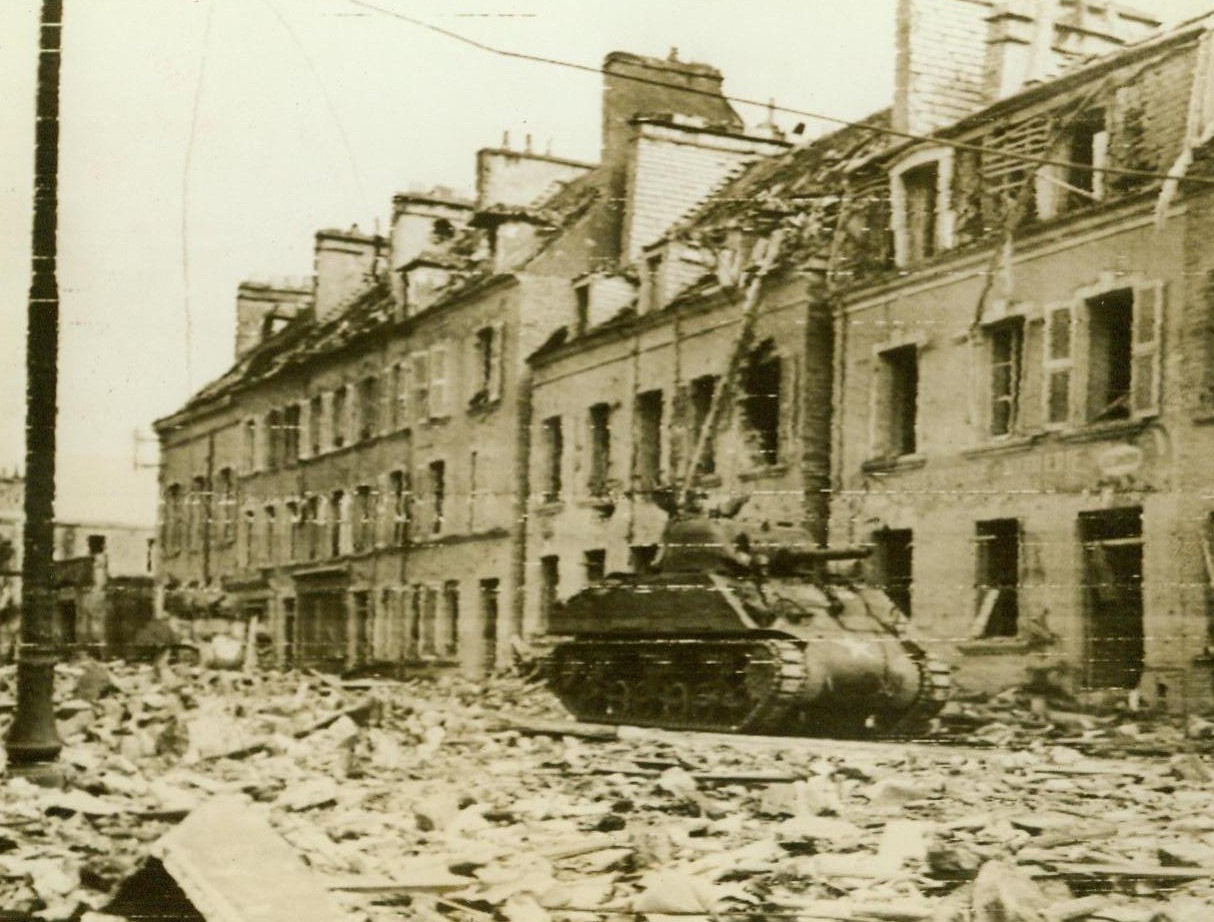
(998, 578)
(648, 450)
(595, 562)
(438, 495)
(316, 412)
(898, 404)
(550, 582)
(894, 562)
(368, 408)
(338, 417)
(274, 440)
(702, 390)
(450, 624)
(269, 533)
(336, 512)
(226, 501)
(1006, 343)
(1087, 154)
(554, 448)
(486, 383)
(1110, 347)
(921, 191)
(364, 519)
(290, 434)
(761, 403)
(600, 449)
(398, 484)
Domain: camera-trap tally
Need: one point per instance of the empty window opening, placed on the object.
(998, 578)
(290, 434)
(274, 439)
(339, 417)
(450, 624)
(364, 519)
(441, 231)
(428, 632)
(1087, 153)
(270, 533)
(1113, 600)
(316, 409)
(653, 281)
(335, 516)
(95, 544)
(761, 403)
(642, 558)
(1110, 354)
(600, 449)
(554, 449)
(250, 444)
(550, 582)
(368, 408)
(1005, 350)
(702, 390)
(901, 367)
(921, 188)
(226, 500)
(313, 526)
(894, 563)
(581, 295)
(295, 533)
(595, 562)
(438, 494)
(649, 440)
(250, 537)
(398, 484)
(489, 590)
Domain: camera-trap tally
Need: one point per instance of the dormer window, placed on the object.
(653, 282)
(1080, 181)
(581, 319)
(922, 208)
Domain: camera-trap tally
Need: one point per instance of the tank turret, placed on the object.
(744, 627)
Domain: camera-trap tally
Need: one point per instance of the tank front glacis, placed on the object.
(743, 629)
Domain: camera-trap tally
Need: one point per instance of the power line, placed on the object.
(742, 100)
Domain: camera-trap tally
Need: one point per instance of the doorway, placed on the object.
(1112, 597)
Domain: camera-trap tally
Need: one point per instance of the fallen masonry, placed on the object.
(198, 794)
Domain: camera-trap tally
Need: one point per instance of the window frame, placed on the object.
(942, 238)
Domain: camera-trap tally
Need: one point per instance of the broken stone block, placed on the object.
(834, 835)
(675, 892)
(1005, 893)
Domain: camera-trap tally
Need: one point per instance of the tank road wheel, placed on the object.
(617, 699)
(705, 701)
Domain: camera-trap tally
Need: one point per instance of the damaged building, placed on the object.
(970, 331)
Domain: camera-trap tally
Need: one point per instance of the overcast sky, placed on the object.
(205, 141)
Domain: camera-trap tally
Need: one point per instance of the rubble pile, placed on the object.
(447, 799)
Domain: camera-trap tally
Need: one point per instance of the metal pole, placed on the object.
(32, 739)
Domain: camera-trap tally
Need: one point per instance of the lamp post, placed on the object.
(32, 742)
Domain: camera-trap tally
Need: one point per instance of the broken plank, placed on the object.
(537, 727)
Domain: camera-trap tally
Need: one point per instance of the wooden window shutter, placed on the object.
(1145, 356)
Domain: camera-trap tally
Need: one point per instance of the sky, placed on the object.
(204, 142)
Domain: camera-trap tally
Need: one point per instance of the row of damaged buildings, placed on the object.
(973, 331)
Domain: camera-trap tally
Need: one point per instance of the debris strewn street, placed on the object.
(451, 799)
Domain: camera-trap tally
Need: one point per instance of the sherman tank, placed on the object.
(743, 629)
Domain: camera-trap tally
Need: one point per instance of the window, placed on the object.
(227, 506)
(250, 445)
(702, 390)
(295, 533)
(642, 558)
(486, 365)
(338, 420)
(550, 582)
(1005, 342)
(334, 522)
(396, 398)
(600, 449)
(1087, 152)
(361, 605)
(441, 231)
(581, 307)
(311, 526)
(438, 495)
(1059, 364)
(439, 396)
(368, 408)
(270, 536)
(274, 440)
(899, 401)
(199, 512)
(653, 282)
(473, 489)
(419, 374)
(761, 403)
(174, 520)
(1110, 348)
(427, 631)
(998, 578)
(920, 203)
(554, 448)
(894, 561)
(316, 407)
(364, 520)
(250, 537)
(450, 625)
(398, 484)
(595, 562)
(648, 452)
(290, 434)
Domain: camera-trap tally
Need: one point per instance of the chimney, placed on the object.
(508, 177)
(1035, 40)
(940, 63)
(263, 307)
(345, 264)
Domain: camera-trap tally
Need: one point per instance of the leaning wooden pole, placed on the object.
(32, 738)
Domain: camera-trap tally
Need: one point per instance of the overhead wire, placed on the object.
(771, 106)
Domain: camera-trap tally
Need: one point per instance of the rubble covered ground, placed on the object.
(449, 799)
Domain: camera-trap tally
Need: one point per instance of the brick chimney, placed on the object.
(263, 306)
(510, 177)
(346, 262)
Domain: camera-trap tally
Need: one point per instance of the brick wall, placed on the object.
(940, 63)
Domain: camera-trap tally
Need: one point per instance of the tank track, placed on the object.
(725, 685)
(935, 684)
